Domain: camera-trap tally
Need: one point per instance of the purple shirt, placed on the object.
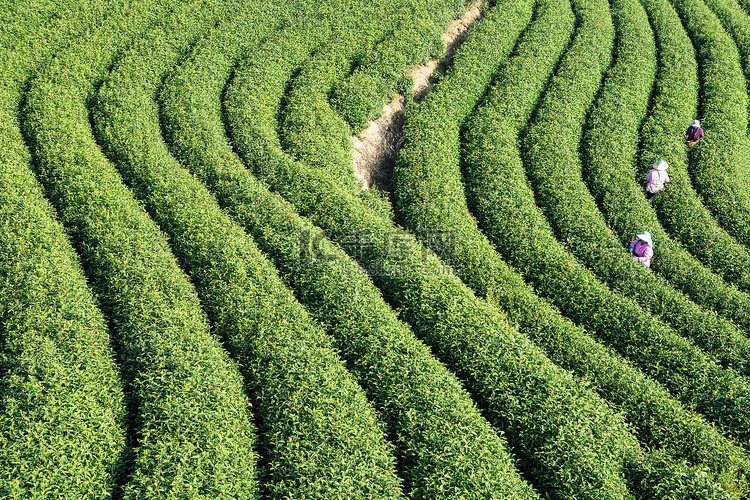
(642, 251)
(655, 180)
(694, 133)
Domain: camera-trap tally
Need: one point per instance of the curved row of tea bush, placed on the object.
(423, 403)
(428, 191)
(737, 22)
(720, 163)
(433, 176)
(496, 362)
(645, 475)
(426, 163)
(514, 223)
(152, 167)
(610, 145)
(674, 100)
(310, 131)
(383, 69)
(553, 166)
(191, 426)
(320, 437)
(652, 411)
(62, 416)
(503, 371)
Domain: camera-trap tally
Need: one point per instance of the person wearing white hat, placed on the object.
(642, 248)
(656, 179)
(694, 133)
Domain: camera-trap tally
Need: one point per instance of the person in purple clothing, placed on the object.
(694, 133)
(656, 179)
(642, 248)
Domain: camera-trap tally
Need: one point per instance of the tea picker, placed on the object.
(642, 248)
(694, 133)
(656, 179)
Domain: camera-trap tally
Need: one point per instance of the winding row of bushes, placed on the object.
(674, 99)
(150, 170)
(531, 247)
(384, 69)
(305, 180)
(309, 129)
(240, 289)
(427, 163)
(434, 192)
(721, 162)
(553, 166)
(426, 167)
(190, 426)
(62, 429)
(610, 145)
(423, 404)
(737, 22)
(468, 334)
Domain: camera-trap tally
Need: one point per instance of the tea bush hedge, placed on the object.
(431, 298)
(191, 429)
(317, 432)
(532, 249)
(507, 107)
(62, 414)
(113, 382)
(610, 146)
(674, 103)
(421, 402)
(385, 68)
(720, 164)
(428, 170)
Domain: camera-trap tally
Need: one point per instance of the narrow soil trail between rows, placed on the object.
(375, 149)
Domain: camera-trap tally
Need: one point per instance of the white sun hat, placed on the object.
(645, 236)
(661, 165)
(695, 123)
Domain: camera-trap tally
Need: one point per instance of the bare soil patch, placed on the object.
(376, 147)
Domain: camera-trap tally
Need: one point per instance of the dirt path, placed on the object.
(376, 147)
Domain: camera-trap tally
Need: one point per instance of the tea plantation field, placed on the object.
(198, 299)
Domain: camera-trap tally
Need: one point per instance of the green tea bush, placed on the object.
(737, 22)
(360, 97)
(681, 482)
(513, 222)
(320, 437)
(190, 434)
(609, 152)
(720, 163)
(553, 166)
(426, 164)
(616, 320)
(310, 130)
(674, 99)
(428, 161)
(424, 405)
(62, 417)
(509, 377)
(191, 429)
(307, 112)
(652, 411)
